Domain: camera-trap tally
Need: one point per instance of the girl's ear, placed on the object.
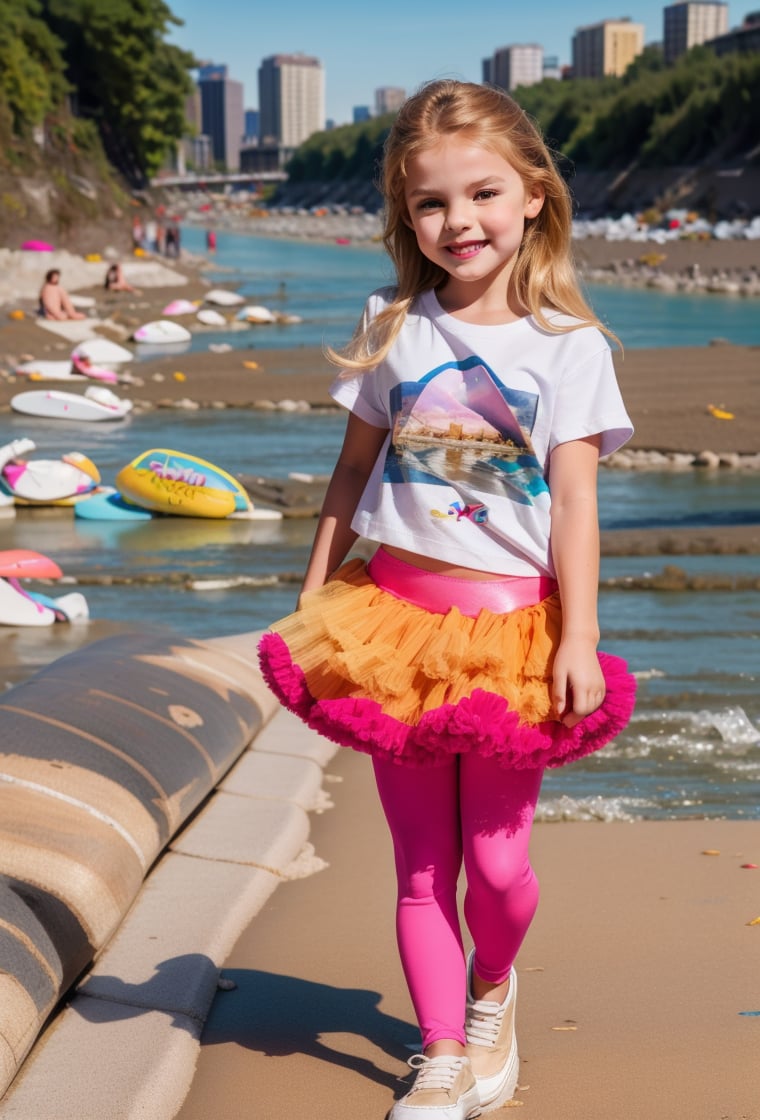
(535, 202)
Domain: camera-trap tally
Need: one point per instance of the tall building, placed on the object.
(361, 113)
(605, 48)
(291, 99)
(222, 114)
(389, 99)
(521, 64)
(689, 23)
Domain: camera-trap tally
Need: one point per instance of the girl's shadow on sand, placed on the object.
(281, 1015)
(276, 1015)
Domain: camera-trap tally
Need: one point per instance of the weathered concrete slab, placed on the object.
(126, 1045)
(103, 756)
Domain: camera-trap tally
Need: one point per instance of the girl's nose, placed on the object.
(457, 218)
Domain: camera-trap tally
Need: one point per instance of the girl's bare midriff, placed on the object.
(430, 564)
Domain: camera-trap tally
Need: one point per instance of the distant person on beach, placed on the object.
(138, 234)
(210, 241)
(55, 302)
(115, 281)
(463, 656)
(151, 235)
(171, 241)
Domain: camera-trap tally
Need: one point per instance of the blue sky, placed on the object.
(363, 45)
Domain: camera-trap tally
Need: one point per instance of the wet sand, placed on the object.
(631, 982)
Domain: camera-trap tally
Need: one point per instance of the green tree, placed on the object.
(126, 76)
(32, 81)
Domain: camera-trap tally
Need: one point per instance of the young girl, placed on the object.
(463, 657)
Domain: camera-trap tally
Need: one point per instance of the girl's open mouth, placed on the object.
(466, 249)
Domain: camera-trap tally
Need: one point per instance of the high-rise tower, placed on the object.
(291, 99)
(222, 114)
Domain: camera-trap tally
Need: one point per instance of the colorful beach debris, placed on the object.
(176, 482)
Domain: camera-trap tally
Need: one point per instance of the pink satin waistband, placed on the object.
(438, 593)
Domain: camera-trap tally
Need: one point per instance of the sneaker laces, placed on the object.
(483, 1022)
(435, 1073)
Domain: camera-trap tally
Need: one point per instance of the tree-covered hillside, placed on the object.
(702, 108)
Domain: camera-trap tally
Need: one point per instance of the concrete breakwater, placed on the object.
(105, 754)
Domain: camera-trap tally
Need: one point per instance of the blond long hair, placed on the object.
(544, 275)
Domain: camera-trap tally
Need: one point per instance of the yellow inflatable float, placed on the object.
(175, 482)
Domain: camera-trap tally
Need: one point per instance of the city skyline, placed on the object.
(362, 48)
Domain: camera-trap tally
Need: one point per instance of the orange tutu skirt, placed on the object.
(376, 673)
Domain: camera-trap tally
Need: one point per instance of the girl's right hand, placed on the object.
(578, 685)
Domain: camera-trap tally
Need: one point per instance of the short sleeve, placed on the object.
(362, 393)
(589, 403)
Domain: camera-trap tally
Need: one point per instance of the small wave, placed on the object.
(604, 809)
(648, 674)
(733, 726)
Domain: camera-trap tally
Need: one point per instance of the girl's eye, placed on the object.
(485, 194)
(429, 204)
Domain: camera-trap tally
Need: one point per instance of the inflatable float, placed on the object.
(107, 504)
(160, 331)
(20, 607)
(38, 246)
(45, 481)
(97, 403)
(86, 368)
(256, 314)
(47, 370)
(211, 318)
(178, 483)
(222, 298)
(180, 307)
(101, 351)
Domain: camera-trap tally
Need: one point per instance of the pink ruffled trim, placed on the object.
(482, 722)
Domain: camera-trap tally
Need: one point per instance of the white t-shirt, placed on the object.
(473, 414)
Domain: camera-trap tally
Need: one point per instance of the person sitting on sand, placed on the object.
(116, 282)
(55, 302)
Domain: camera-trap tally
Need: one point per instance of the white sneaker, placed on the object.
(444, 1089)
(492, 1044)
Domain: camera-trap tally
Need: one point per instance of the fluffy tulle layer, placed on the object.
(377, 674)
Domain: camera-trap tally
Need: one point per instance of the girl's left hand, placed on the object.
(578, 686)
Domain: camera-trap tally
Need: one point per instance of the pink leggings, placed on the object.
(470, 808)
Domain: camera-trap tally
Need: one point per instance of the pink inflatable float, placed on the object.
(38, 247)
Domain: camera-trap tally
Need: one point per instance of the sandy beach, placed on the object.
(635, 982)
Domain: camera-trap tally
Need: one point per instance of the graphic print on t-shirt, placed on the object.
(460, 426)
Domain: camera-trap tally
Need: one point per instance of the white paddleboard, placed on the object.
(48, 371)
(160, 331)
(102, 352)
(96, 403)
(211, 318)
(223, 298)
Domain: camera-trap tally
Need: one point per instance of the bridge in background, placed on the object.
(219, 181)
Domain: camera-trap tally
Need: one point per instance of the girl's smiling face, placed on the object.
(467, 206)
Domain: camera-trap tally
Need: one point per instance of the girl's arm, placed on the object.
(334, 536)
(578, 687)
